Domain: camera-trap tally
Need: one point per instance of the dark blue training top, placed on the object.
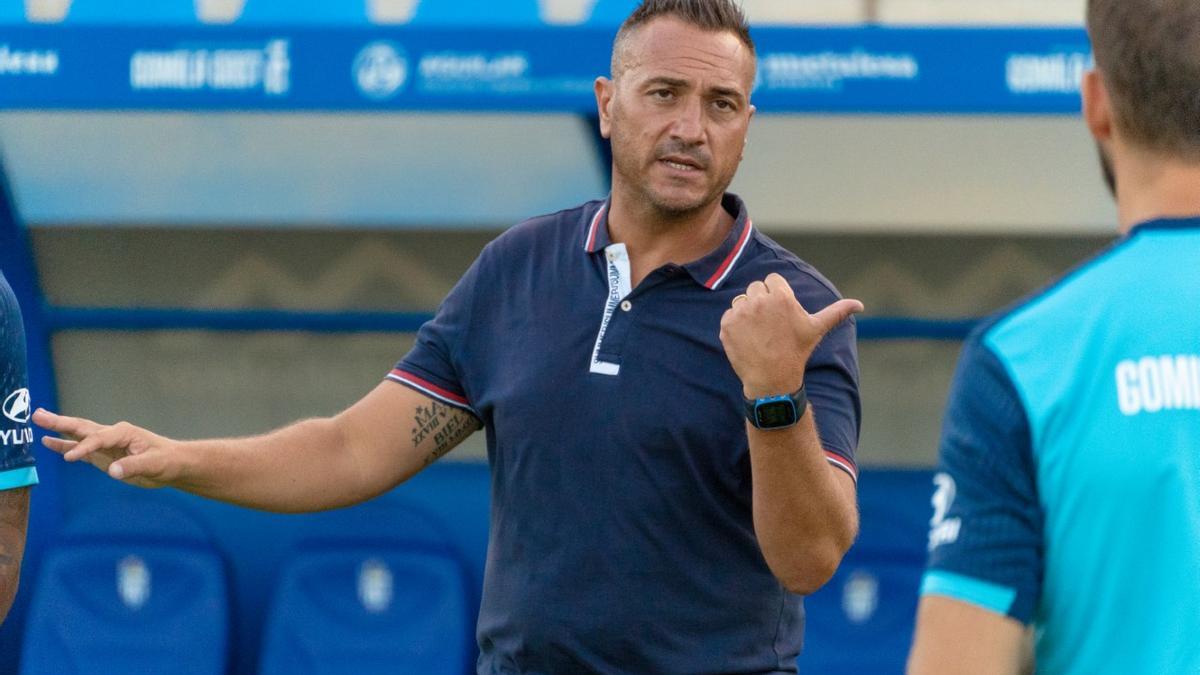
(621, 529)
(16, 435)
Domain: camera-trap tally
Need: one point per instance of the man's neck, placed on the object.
(1152, 187)
(653, 239)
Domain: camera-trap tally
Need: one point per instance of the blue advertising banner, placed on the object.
(801, 70)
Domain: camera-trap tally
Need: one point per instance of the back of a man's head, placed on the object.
(709, 15)
(1148, 53)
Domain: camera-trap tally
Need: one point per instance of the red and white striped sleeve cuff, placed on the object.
(431, 390)
(842, 463)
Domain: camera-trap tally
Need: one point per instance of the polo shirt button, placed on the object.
(626, 306)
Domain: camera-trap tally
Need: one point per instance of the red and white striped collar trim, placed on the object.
(710, 271)
(722, 272)
(590, 241)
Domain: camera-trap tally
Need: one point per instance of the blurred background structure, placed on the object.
(224, 215)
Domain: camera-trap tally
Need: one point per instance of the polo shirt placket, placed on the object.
(620, 309)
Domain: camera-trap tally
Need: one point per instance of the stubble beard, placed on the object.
(635, 176)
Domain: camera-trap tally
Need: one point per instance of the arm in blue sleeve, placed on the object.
(434, 365)
(831, 380)
(985, 537)
(16, 434)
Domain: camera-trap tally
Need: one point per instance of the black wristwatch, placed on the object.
(777, 412)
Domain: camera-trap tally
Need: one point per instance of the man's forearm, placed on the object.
(327, 463)
(805, 515)
(379, 442)
(14, 519)
(307, 466)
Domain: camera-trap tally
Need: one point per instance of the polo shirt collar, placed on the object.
(709, 271)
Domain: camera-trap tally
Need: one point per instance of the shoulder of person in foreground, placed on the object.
(17, 471)
(982, 585)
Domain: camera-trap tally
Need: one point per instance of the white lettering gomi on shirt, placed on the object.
(1153, 384)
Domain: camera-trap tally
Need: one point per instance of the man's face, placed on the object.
(677, 114)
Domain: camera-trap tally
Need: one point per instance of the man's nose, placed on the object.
(689, 121)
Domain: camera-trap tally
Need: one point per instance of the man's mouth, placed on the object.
(681, 163)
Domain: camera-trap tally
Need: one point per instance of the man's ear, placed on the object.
(605, 88)
(1097, 107)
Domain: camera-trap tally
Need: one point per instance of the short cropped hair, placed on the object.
(1148, 54)
(709, 15)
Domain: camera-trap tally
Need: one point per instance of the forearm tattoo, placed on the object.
(441, 426)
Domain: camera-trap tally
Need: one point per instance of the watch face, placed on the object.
(775, 414)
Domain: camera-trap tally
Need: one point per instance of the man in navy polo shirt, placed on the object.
(17, 472)
(650, 383)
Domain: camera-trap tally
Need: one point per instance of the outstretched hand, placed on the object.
(123, 451)
(769, 337)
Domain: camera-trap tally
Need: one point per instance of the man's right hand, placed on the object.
(125, 452)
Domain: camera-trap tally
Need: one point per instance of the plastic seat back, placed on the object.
(130, 589)
(370, 608)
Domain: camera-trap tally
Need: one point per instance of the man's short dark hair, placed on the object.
(709, 15)
(1148, 53)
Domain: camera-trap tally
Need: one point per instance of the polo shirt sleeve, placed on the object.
(16, 435)
(985, 537)
(434, 366)
(831, 381)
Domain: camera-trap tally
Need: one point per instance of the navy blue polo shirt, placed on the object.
(16, 434)
(622, 538)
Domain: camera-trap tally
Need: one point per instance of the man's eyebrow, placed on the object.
(668, 81)
(729, 92)
(663, 80)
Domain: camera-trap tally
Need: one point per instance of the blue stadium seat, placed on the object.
(477, 12)
(304, 12)
(132, 11)
(611, 12)
(130, 588)
(382, 607)
(862, 621)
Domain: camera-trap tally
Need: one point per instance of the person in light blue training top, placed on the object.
(17, 473)
(1066, 525)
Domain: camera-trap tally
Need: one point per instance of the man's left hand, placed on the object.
(769, 336)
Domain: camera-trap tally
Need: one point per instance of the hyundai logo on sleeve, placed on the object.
(16, 406)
